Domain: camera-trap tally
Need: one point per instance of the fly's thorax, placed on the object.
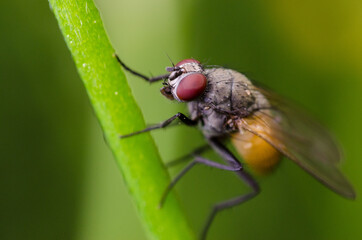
(230, 91)
(229, 95)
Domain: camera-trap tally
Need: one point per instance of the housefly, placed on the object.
(262, 127)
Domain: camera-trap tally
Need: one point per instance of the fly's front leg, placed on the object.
(180, 116)
(148, 79)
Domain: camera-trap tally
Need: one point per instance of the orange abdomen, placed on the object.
(258, 154)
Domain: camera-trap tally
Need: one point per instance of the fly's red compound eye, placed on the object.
(189, 60)
(191, 86)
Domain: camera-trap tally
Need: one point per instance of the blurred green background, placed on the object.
(58, 179)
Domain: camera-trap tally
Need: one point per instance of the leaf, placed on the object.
(118, 113)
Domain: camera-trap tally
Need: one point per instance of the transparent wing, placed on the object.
(301, 139)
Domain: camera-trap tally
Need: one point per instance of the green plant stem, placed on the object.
(109, 93)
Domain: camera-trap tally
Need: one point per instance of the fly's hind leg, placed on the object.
(197, 160)
(186, 157)
(245, 177)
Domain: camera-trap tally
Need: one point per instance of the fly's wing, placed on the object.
(301, 139)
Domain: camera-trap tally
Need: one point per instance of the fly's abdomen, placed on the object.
(259, 155)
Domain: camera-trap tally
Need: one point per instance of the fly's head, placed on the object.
(186, 81)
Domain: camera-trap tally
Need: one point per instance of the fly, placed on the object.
(263, 127)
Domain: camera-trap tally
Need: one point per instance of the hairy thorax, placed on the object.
(229, 96)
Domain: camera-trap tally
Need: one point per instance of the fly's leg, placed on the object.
(194, 153)
(197, 160)
(148, 79)
(223, 152)
(245, 177)
(180, 116)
